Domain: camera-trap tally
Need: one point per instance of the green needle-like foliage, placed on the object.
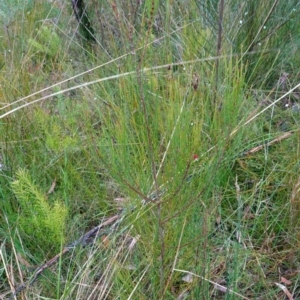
(180, 119)
(40, 220)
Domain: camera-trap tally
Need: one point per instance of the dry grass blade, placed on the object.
(214, 283)
(85, 239)
(145, 70)
(285, 290)
(140, 279)
(176, 257)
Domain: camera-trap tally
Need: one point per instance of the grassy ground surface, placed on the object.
(173, 126)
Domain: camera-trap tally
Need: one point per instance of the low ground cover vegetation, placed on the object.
(149, 149)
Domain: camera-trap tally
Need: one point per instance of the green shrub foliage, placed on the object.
(39, 219)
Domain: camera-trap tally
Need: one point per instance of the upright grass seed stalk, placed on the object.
(151, 7)
(219, 47)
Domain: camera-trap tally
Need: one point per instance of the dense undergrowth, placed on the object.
(180, 119)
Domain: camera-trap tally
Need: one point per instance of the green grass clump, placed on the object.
(180, 118)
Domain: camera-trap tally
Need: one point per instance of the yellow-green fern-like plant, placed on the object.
(39, 219)
(47, 41)
(58, 137)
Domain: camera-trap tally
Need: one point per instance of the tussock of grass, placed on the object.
(181, 119)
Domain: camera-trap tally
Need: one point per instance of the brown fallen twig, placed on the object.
(87, 238)
(260, 147)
